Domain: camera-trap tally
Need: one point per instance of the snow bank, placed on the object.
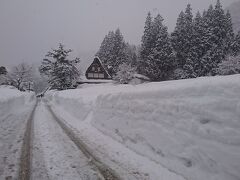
(12, 99)
(15, 109)
(189, 126)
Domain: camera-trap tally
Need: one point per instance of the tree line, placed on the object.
(198, 46)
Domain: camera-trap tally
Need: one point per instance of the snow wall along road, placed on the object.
(11, 99)
(189, 126)
(15, 110)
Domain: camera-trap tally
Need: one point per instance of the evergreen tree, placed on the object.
(146, 45)
(182, 36)
(106, 48)
(197, 49)
(178, 39)
(217, 39)
(229, 34)
(119, 51)
(131, 52)
(113, 51)
(62, 73)
(236, 45)
(161, 60)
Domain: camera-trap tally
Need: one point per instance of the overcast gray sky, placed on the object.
(30, 28)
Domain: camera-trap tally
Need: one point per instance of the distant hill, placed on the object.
(234, 9)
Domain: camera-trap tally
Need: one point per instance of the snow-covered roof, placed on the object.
(96, 57)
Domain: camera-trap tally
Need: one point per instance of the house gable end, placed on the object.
(97, 71)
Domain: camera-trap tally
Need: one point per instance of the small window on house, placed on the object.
(93, 68)
(101, 75)
(95, 75)
(99, 69)
(90, 75)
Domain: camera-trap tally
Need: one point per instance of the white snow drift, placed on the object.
(15, 109)
(191, 127)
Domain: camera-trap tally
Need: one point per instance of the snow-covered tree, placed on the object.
(147, 44)
(20, 76)
(236, 45)
(106, 48)
(62, 73)
(131, 53)
(228, 43)
(113, 51)
(193, 67)
(156, 54)
(230, 65)
(119, 51)
(161, 60)
(3, 75)
(3, 70)
(183, 35)
(216, 39)
(125, 73)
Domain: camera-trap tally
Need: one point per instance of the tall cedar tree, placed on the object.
(146, 45)
(218, 38)
(229, 33)
(62, 73)
(114, 51)
(161, 59)
(197, 48)
(106, 49)
(236, 45)
(182, 36)
(119, 51)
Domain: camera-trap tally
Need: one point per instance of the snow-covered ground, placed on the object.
(15, 109)
(188, 128)
(55, 156)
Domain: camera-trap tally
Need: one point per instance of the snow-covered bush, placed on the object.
(125, 73)
(4, 79)
(178, 73)
(230, 65)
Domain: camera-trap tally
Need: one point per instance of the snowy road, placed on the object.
(58, 152)
(37, 143)
(55, 156)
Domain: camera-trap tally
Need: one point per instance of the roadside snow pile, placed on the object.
(15, 108)
(189, 126)
(12, 99)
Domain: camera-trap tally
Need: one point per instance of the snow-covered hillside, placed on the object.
(191, 127)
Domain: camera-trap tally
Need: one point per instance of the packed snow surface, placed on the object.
(190, 127)
(55, 156)
(15, 109)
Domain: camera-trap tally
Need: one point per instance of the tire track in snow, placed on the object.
(55, 156)
(25, 159)
(104, 170)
